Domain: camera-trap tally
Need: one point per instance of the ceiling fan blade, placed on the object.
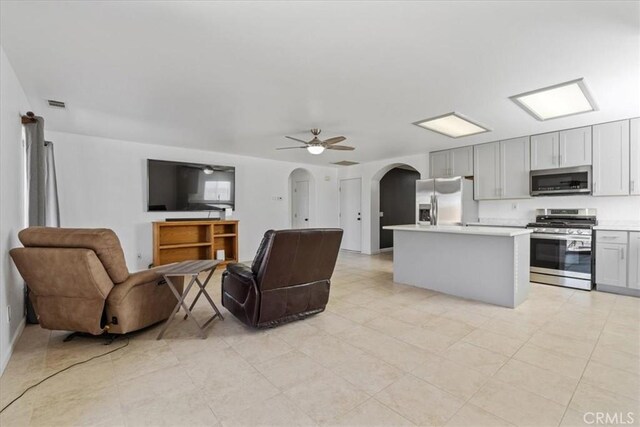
(340, 147)
(296, 139)
(335, 140)
(289, 148)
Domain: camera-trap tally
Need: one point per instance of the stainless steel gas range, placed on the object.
(562, 247)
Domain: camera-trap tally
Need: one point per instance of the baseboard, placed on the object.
(382, 250)
(7, 354)
(619, 290)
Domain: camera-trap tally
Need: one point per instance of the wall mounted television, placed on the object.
(181, 187)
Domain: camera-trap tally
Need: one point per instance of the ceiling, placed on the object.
(238, 76)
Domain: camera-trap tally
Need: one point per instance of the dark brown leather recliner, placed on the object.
(288, 280)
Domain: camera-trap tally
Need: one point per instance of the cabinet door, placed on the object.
(634, 166)
(634, 260)
(439, 164)
(544, 151)
(514, 165)
(611, 264)
(486, 166)
(575, 147)
(462, 161)
(611, 159)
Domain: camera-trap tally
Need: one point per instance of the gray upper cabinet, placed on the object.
(562, 149)
(454, 162)
(611, 159)
(545, 150)
(462, 161)
(514, 165)
(439, 164)
(634, 165)
(575, 147)
(502, 170)
(486, 167)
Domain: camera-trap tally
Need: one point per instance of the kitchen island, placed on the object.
(488, 264)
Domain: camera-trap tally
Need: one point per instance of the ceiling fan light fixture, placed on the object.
(453, 125)
(315, 149)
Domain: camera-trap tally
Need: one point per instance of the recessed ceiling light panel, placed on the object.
(453, 125)
(561, 100)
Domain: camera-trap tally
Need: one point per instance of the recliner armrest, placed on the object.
(241, 272)
(141, 277)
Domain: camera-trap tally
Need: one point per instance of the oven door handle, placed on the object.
(560, 237)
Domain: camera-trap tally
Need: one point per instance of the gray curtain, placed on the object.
(42, 186)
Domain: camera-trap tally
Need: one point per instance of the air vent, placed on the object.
(56, 104)
(345, 163)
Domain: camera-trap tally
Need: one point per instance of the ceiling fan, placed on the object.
(317, 146)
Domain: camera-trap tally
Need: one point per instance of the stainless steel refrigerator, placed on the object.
(445, 201)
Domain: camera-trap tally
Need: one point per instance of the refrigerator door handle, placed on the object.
(434, 210)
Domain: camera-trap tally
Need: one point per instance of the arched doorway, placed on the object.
(374, 224)
(302, 199)
(397, 203)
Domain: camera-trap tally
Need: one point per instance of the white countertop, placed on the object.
(617, 227)
(461, 229)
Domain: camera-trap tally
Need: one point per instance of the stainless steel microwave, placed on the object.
(560, 181)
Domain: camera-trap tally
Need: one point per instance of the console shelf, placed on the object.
(175, 241)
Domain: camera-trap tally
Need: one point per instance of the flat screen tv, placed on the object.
(179, 187)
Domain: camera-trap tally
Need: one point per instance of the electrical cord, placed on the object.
(61, 371)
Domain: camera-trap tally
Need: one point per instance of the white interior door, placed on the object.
(350, 213)
(300, 204)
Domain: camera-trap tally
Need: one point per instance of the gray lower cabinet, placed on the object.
(611, 264)
(618, 260)
(634, 261)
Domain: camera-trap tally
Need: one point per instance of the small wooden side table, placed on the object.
(193, 269)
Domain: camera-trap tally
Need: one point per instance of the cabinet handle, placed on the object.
(633, 186)
(621, 253)
(560, 159)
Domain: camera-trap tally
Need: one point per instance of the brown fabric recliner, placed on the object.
(288, 280)
(79, 281)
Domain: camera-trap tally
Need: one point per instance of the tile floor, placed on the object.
(381, 354)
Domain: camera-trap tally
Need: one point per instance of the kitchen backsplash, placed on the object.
(611, 210)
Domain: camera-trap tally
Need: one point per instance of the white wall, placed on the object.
(102, 183)
(13, 103)
(370, 173)
(610, 209)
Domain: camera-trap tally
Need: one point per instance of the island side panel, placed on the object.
(522, 258)
(478, 267)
